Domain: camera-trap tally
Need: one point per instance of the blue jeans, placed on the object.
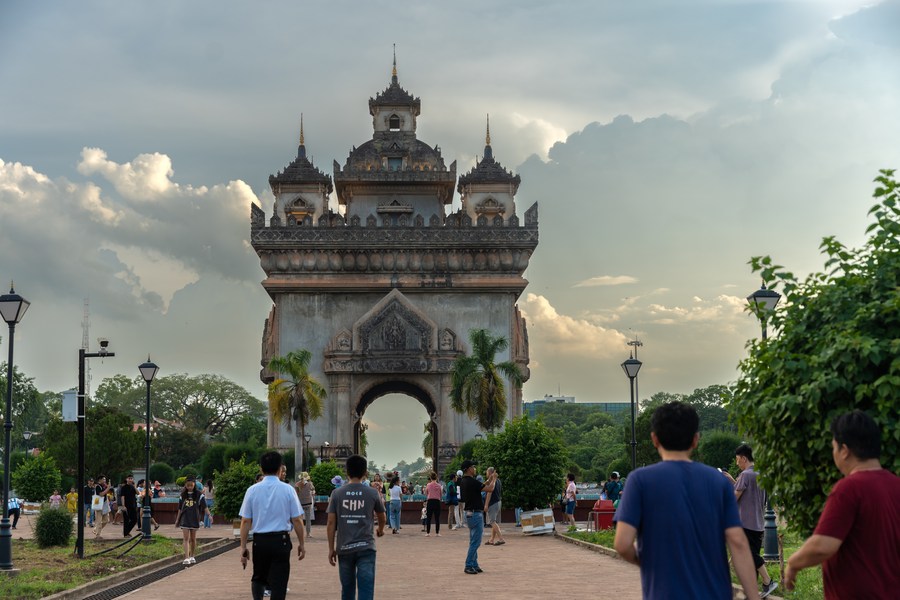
(357, 570)
(476, 532)
(394, 515)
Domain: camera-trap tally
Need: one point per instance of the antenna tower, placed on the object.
(85, 336)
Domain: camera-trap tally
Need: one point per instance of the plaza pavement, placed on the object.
(413, 566)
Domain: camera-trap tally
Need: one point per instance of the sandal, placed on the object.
(489, 543)
(500, 543)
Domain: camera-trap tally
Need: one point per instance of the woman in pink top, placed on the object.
(433, 505)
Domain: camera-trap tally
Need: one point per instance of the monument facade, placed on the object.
(385, 290)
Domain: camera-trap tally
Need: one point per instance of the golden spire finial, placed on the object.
(394, 70)
(487, 137)
(301, 129)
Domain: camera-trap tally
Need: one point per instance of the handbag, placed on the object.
(96, 502)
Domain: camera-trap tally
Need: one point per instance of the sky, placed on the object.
(666, 142)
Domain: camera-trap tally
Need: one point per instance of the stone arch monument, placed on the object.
(384, 294)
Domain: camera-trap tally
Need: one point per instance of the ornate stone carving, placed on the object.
(257, 216)
(447, 340)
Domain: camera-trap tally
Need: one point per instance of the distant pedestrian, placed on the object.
(352, 512)
(470, 493)
(13, 509)
(270, 510)
(492, 502)
(461, 507)
(451, 497)
(570, 493)
(306, 493)
(751, 500)
(72, 500)
(857, 539)
(145, 498)
(396, 505)
(682, 514)
(107, 494)
(87, 497)
(613, 487)
(210, 495)
(191, 509)
(55, 499)
(128, 500)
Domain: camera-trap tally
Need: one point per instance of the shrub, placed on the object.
(162, 473)
(189, 470)
(530, 459)
(213, 459)
(231, 484)
(53, 528)
(180, 481)
(36, 478)
(322, 474)
(716, 448)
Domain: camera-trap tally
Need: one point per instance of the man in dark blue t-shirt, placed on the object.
(682, 514)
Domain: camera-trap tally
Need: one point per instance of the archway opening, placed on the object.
(395, 425)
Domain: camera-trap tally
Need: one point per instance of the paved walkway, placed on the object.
(412, 566)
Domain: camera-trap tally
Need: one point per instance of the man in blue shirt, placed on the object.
(681, 514)
(271, 509)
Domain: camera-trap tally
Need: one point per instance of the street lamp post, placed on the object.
(762, 302)
(12, 309)
(83, 355)
(305, 458)
(631, 368)
(27, 435)
(148, 372)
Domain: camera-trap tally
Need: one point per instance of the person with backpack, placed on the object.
(451, 499)
(613, 487)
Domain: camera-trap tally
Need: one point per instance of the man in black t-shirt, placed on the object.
(128, 498)
(470, 494)
(87, 494)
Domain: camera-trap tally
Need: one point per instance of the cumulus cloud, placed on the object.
(557, 333)
(605, 280)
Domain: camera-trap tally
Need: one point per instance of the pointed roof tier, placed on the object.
(488, 170)
(394, 95)
(301, 170)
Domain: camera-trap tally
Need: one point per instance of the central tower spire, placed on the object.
(394, 70)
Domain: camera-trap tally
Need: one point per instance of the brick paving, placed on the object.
(413, 566)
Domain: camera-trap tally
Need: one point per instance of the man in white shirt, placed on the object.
(271, 509)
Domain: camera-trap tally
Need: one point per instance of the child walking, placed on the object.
(191, 510)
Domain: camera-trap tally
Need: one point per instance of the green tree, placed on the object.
(162, 472)
(836, 349)
(125, 394)
(296, 398)
(477, 387)
(36, 478)
(29, 412)
(232, 484)
(246, 429)
(178, 446)
(112, 447)
(716, 449)
(530, 459)
(207, 403)
(322, 474)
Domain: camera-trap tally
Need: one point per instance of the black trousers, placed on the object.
(271, 564)
(131, 519)
(433, 515)
(755, 538)
(14, 515)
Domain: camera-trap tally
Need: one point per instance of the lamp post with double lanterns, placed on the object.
(148, 372)
(83, 355)
(12, 309)
(762, 302)
(631, 368)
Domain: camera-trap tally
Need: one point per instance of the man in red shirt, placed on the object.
(856, 539)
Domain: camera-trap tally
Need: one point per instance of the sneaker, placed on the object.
(193, 560)
(471, 571)
(267, 592)
(186, 561)
(768, 589)
(478, 570)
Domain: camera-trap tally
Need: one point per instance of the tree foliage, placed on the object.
(837, 349)
(36, 478)
(530, 459)
(716, 449)
(296, 397)
(322, 474)
(477, 387)
(179, 447)
(112, 448)
(29, 409)
(232, 484)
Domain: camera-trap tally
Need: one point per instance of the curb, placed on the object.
(737, 592)
(98, 585)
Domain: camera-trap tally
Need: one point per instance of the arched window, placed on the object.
(394, 123)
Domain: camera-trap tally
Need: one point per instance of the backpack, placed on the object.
(450, 497)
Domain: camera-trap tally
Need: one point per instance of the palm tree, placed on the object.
(477, 382)
(295, 398)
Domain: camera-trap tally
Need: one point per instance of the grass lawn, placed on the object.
(45, 571)
(809, 582)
